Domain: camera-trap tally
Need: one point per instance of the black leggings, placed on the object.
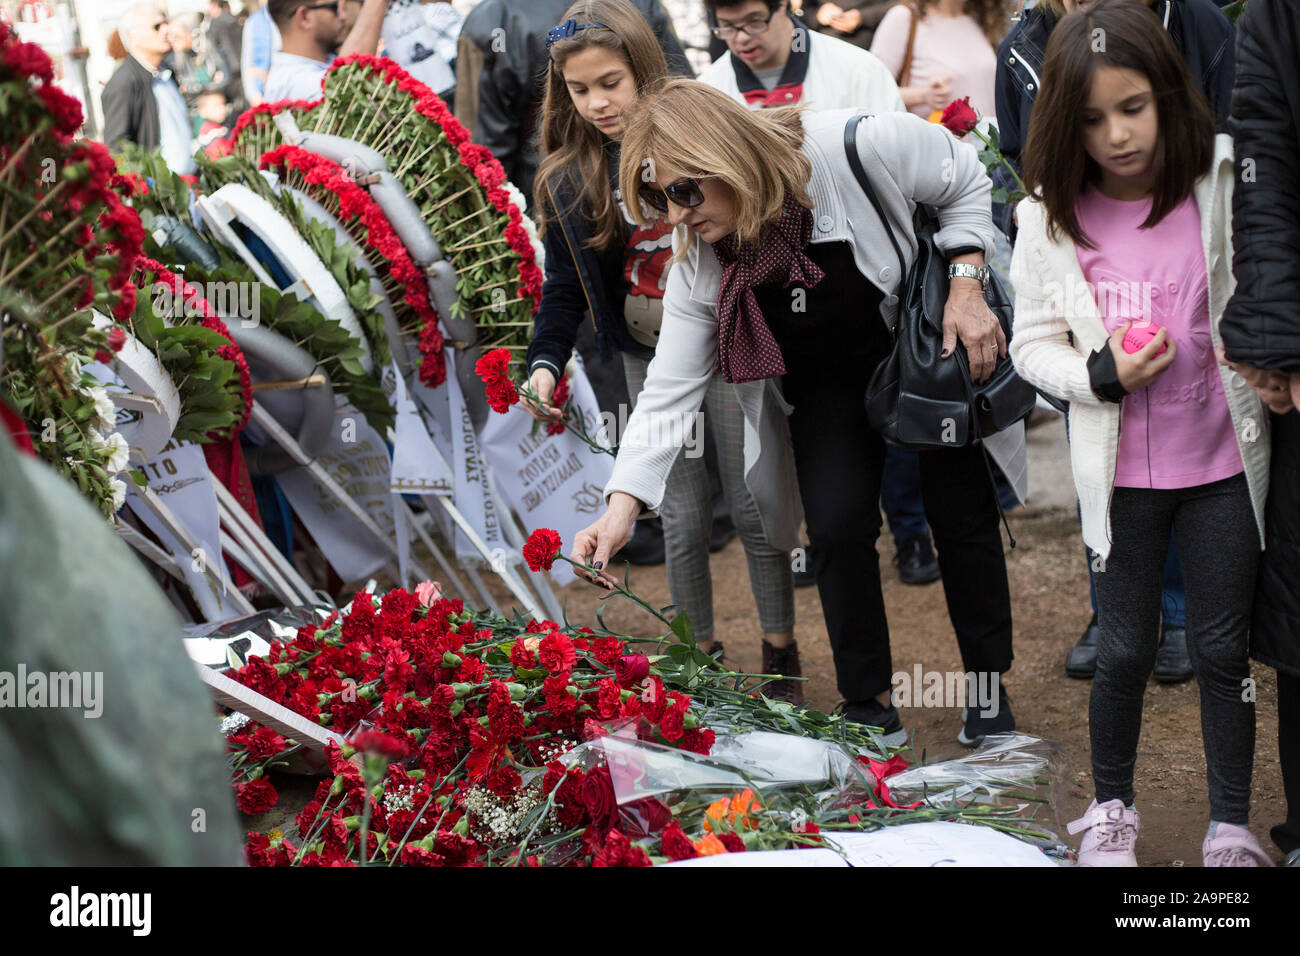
(839, 460)
(1218, 546)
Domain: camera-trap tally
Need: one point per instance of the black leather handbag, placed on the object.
(916, 398)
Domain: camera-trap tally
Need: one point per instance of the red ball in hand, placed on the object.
(1139, 334)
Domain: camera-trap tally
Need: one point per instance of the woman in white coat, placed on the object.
(788, 284)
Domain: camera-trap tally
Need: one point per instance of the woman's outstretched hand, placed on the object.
(598, 542)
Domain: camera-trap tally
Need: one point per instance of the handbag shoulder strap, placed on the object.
(905, 73)
(855, 163)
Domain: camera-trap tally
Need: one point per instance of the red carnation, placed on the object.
(29, 60)
(676, 844)
(116, 338)
(541, 549)
(959, 117)
(556, 653)
(255, 797)
(65, 110)
(558, 398)
(392, 746)
(732, 842)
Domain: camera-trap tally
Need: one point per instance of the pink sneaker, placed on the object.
(1232, 845)
(1112, 829)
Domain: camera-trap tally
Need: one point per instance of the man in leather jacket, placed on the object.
(1261, 335)
(508, 39)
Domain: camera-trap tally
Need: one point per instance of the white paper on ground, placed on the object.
(813, 856)
(939, 843)
(909, 844)
(551, 481)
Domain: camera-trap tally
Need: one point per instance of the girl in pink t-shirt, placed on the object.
(1121, 271)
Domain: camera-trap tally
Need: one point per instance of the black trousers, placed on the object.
(839, 460)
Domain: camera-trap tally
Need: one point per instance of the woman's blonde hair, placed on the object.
(574, 147)
(695, 130)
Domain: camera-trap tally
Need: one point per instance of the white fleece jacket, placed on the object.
(1053, 302)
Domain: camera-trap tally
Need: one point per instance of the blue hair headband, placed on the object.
(567, 29)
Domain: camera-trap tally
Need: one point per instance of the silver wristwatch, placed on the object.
(964, 270)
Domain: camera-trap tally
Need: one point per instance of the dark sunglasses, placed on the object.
(322, 6)
(684, 192)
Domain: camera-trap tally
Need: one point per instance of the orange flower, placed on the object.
(744, 805)
(716, 814)
(710, 845)
(728, 813)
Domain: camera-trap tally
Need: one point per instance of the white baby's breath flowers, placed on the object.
(401, 798)
(233, 723)
(500, 819)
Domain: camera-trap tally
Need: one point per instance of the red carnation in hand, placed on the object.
(959, 117)
(491, 368)
(558, 398)
(255, 797)
(541, 549)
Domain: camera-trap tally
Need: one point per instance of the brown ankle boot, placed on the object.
(784, 661)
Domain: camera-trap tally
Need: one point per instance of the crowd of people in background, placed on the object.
(556, 90)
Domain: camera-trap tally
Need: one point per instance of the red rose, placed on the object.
(631, 669)
(645, 817)
(959, 117)
(255, 797)
(540, 551)
(598, 797)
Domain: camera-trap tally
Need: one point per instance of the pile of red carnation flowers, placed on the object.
(437, 706)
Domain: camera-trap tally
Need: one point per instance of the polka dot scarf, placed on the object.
(747, 350)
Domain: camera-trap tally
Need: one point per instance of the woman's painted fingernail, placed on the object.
(598, 565)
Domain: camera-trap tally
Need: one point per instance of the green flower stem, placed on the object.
(1002, 159)
(482, 262)
(9, 234)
